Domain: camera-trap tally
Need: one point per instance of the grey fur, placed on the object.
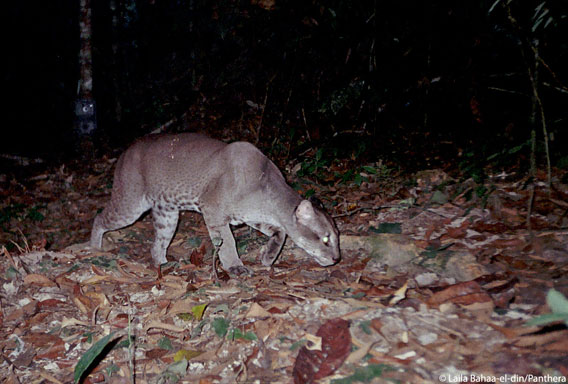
(229, 184)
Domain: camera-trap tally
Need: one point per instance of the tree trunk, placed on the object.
(85, 108)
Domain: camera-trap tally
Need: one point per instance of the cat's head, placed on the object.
(315, 232)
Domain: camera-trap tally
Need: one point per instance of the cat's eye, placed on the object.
(325, 239)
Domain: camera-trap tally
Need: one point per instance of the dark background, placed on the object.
(427, 81)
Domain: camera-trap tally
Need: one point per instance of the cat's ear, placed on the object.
(316, 202)
(304, 212)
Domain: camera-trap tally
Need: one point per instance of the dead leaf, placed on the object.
(256, 310)
(40, 280)
(454, 293)
(399, 295)
(160, 325)
(314, 342)
(336, 345)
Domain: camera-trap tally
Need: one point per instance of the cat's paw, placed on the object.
(240, 270)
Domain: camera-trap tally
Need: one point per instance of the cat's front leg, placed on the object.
(228, 251)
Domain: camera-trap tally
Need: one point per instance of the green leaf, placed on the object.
(439, 197)
(250, 336)
(557, 302)
(185, 316)
(198, 311)
(179, 367)
(174, 372)
(558, 305)
(387, 228)
(91, 355)
(366, 326)
(358, 179)
(111, 369)
(236, 333)
(125, 343)
(220, 325)
(298, 344)
(186, 354)
(369, 169)
(548, 318)
(194, 242)
(165, 343)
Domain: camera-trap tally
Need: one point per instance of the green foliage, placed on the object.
(165, 343)
(387, 228)
(10, 212)
(298, 344)
(34, 214)
(21, 212)
(101, 261)
(194, 242)
(126, 343)
(366, 326)
(93, 354)
(472, 167)
(199, 310)
(340, 98)
(439, 197)
(312, 167)
(112, 369)
(185, 316)
(173, 373)
(365, 173)
(236, 333)
(221, 326)
(558, 304)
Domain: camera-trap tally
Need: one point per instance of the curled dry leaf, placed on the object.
(316, 364)
(160, 325)
(399, 295)
(314, 342)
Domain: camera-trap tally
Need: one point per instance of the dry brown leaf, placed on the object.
(317, 364)
(511, 333)
(462, 293)
(49, 377)
(399, 295)
(267, 327)
(182, 306)
(541, 339)
(40, 280)
(99, 297)
(80, 305)
(256, 310)
(66, 322)
(160, 325)
(360, 353)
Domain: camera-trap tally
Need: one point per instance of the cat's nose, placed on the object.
(336, 258)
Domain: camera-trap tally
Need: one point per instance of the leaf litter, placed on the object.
(434, 281)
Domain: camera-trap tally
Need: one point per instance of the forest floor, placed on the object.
(437, 281)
